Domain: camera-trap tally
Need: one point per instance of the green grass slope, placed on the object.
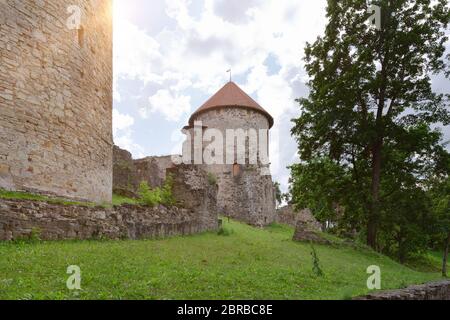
(241, 263)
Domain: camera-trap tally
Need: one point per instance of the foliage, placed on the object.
(253, 263)
(225, 231)
(212, 179)
(440, 195)
(119, 200)
(148, 196)
(167, 197)
(317, 185)
(153, 197)
(365, 137)
(316, 263)
(17, 195)
(278, 193)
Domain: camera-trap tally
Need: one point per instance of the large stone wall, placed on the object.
(56, 98)
(247, 195)
(439, 290)
(196, 211)
(128, 173)
(153, 170)
(22, 219)
(124, 173)
(193, 190)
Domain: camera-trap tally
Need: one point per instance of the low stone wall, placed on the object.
(196, 212)
(20, 219)
(431, 291)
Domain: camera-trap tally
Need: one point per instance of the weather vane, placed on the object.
(229, 71)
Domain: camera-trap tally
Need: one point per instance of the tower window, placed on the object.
(236, 170)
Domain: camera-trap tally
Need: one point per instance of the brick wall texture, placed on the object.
(56, 98)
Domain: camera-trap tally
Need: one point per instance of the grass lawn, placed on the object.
(242, 263)
(15, 195)
(120, 200)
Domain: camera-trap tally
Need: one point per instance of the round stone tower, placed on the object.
(56, 97)
(246, 190)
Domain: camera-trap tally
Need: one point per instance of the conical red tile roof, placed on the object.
(231, 96)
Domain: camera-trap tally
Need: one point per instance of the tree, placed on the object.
(278, 193)
(441, 204)
(370, 93)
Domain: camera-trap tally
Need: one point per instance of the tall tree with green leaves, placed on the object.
(278, 193)
(371, 105)
(440, 195)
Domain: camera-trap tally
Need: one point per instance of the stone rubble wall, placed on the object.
(192, 190)
(153, 170)
(128, 173)
(56, 99)
(20, 219)
(439, 290)
(307, 228)
(124, 173)
(287, 215)
(251, 197)
(196, 211)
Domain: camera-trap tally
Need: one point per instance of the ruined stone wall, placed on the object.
(124, 173)
(20, 219)
(248, 196)
(153, 170)
(196, 211)
(245, 193)
(56, 99)
(128, 173)
(439, 290)
(287, 215)
(193, 190)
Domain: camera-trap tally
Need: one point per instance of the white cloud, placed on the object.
(172, 106)
(126, 142)
(191, 56)
(192, 52)
(122, 130)
(136, 54)
(121, 121)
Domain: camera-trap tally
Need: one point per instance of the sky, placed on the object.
(170, 56)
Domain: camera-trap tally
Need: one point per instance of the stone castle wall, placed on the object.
(196, 211)
(153, 170)
(56, 99)
(22, 219)
(128, 173)
(193, 190)
(439, 290)
(124, 173)
(244, 193)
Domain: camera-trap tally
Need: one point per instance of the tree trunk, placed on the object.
(372, 223)
(445, 259)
